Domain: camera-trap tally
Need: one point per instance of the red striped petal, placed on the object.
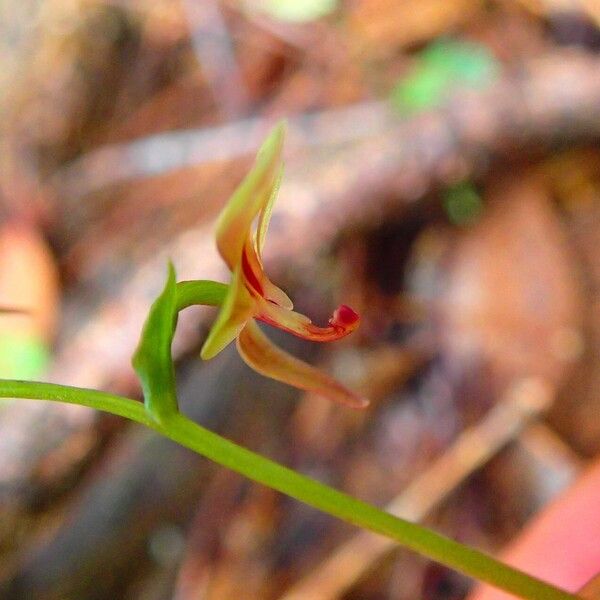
(258, 281)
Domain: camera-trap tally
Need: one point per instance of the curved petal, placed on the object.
(343, 321)
(268, 359)
(237, 308)
(258, 281)
(275, 294)
(251, 196)
(265, 215)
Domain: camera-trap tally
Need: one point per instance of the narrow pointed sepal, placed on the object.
(237, 308)
(263, 356)
(252, 195)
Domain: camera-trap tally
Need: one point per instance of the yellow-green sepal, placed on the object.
(251, 196)
(238, 307)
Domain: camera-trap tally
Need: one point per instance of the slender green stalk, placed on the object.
(224, 452)
(116, 405)
(201, 291)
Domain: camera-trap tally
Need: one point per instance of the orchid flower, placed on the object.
(252, 296)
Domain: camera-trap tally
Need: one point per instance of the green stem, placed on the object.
(201, 291)
(224, 452)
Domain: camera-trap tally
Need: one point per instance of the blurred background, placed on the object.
(442, 178)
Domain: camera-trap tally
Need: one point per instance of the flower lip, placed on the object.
(343, 322)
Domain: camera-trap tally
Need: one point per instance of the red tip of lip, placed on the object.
(345, 317)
